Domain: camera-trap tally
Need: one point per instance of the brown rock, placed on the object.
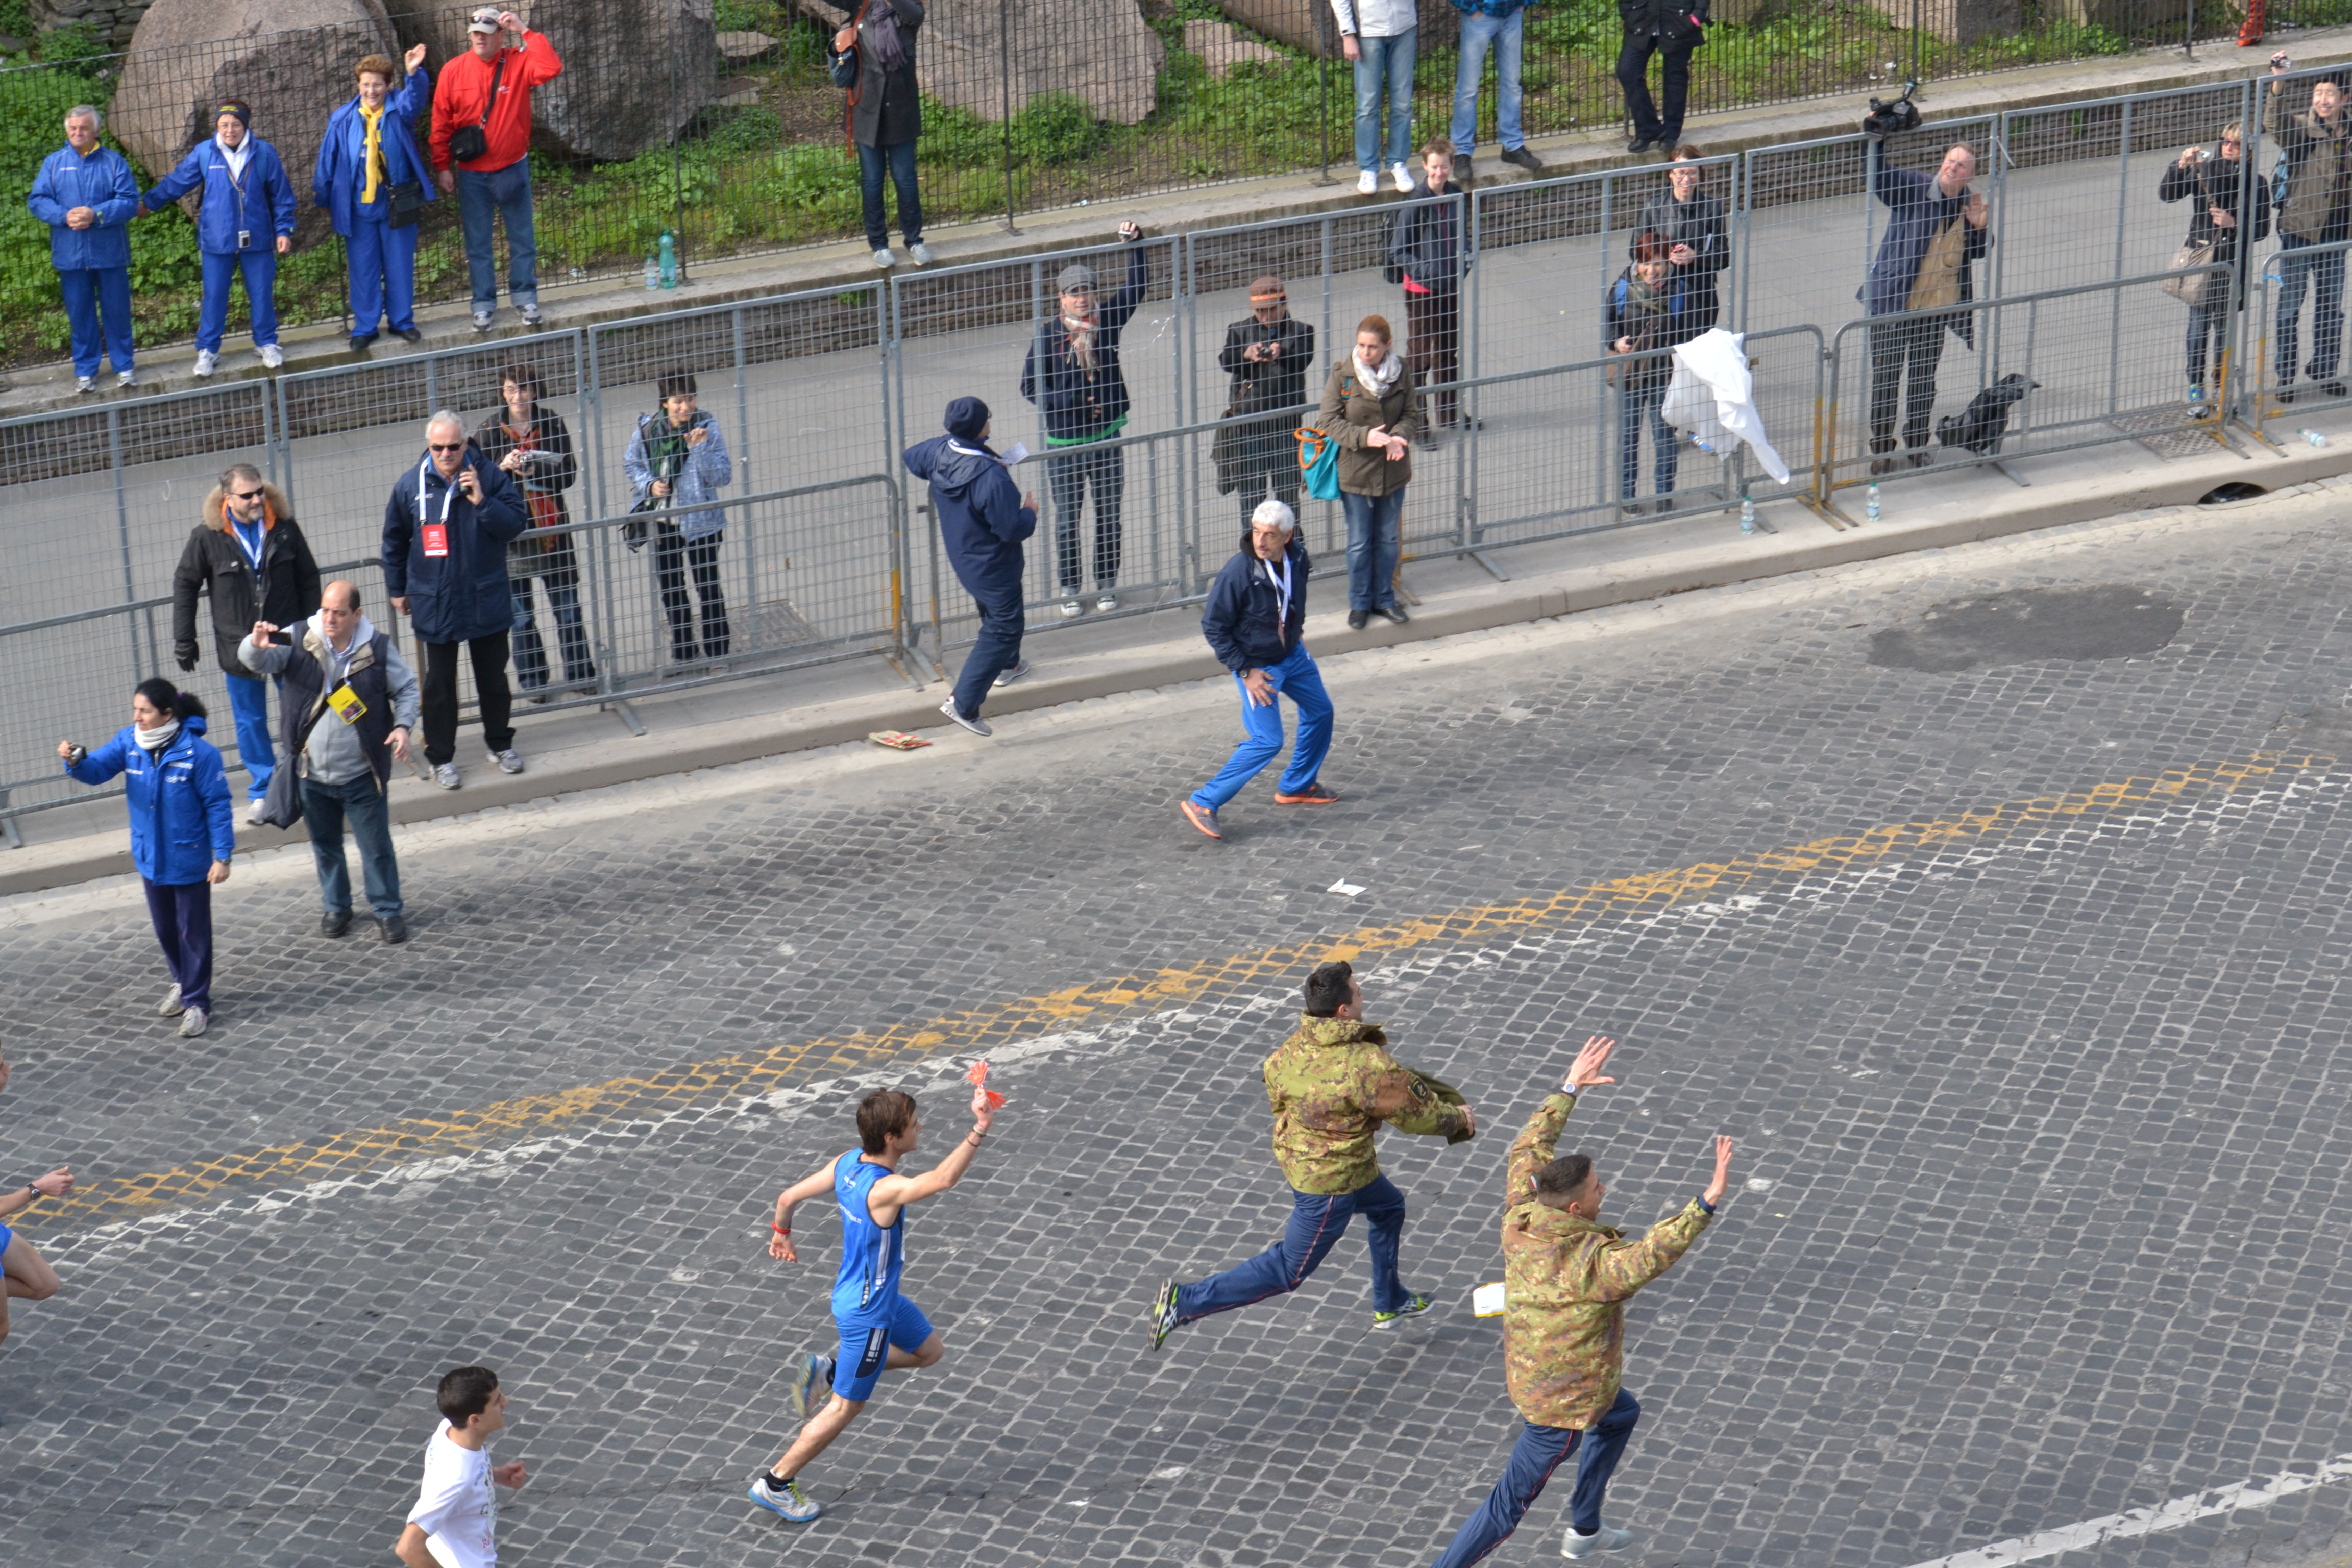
(1100, 52)
(738, 47)
(1221, 46)
(1309, 25)
(188, 54)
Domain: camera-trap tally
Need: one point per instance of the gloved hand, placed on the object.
(185, 654)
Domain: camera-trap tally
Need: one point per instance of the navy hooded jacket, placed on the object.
(1243, 619)
(463, 595)
(981, 520)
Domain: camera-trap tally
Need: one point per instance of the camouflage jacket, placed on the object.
(1565, 1283)
(1331, 1084)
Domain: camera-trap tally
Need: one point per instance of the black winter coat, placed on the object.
(1699, 223)
(213, 562)
(884, 108)
(1080, 404)
(2209, 185)
(1431, 243)
(550, 554)
(1679, 22)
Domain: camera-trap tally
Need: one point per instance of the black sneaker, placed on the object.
(408, 335)
(1520, 157)
(1357, 619)
(2332, 388)
(1393, 613)
(1641, 144)
(334, 922)
(1164, 1313)
(392, 929)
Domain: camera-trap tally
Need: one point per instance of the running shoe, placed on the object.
(1164, 1313)
(1411, 1309)
(1575, 1543)
(1007, 676)
(787, 1501)
(813, 1374)
(169, 1007)
(1200, 816)
(976, 724)
(1315, 794)
(192, 1023)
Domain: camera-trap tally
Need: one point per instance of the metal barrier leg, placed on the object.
(8, 825)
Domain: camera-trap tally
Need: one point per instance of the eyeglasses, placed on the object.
(244, 495)
(451, 447)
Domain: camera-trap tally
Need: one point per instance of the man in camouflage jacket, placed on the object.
(1331, 1084)
(1565, 1279)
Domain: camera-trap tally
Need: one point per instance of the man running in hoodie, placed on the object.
(983, 526)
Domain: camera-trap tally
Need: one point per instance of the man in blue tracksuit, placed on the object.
(368, 154)
(1255, 613)
(87, 195)
(982, 525)
(245, 221)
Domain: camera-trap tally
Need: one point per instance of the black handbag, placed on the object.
(842, 66)
(468, 142)
(281, 806)
(407, 199)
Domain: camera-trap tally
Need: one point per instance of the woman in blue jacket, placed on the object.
(182, 831)
(245, 221)
(368, 153)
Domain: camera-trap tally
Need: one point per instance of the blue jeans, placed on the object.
(381, 262)
(2295, 273)
(248, 703)
(899, 156)
(572, 635)
(1539, 1451)
(98, 308)
(1297, 678)
(1375, 524)
(363, 802)
(1384, 62)
(1665, 454)
(1317, 1220)
(501, 193)
(995, 651)
(221, 268)
(1479, 31)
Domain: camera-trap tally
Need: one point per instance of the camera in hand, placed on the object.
(1892, 117)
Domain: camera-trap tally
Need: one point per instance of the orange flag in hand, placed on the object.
(978, 1078)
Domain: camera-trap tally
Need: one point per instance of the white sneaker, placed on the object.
(976, 724)
(192, 1023)
(1007, 676)
(481, 321)
(1108, 603)
(1575, 1543)
(883, 258)
(1071, 607)
(205, 361)
(1403, 179)
(127, 380)
(919, 254)
(813, 1375)
(85, 383)
(272, 356)
(446, 776)
(169, 1007)
(530, 314)
(253, 810)
(509, 761)
(788, 1502)
(1367, 182)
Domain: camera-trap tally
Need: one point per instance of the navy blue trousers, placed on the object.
(183, 916)
(1539, 1451)
(1317, 1220)
(995, 651)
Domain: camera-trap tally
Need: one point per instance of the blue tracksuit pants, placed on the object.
(381, 262)
(98, 312)
(259, 269)
(1297, 679)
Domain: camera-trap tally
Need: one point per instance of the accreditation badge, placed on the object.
(346, 703)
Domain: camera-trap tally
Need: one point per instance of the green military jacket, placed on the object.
(1331, 1084)
(1565, 1283)
(2319, 162)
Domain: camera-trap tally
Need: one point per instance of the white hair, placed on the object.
(1273, 511)
(446, 417)
(87, 112)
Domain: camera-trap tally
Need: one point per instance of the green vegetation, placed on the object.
(771, 167)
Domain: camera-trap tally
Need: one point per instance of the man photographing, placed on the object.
(1566, 1277)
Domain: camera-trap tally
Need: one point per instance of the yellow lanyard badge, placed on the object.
(346, 703)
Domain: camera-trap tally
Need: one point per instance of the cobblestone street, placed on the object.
(1995, 899)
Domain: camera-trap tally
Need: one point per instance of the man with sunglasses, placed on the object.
(250, 558)
(445, 533)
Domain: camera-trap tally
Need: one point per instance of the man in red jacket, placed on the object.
(496, 180)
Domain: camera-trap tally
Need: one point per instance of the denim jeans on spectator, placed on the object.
(1384, 62)
(1665, 455)
(572, 635)
(899, 159)
(1478, 32)
(503, 193)
(362, 801)
(2295, 273)
(2209, 325)
(1538, 1452)
(1374, 525)
(248, 702)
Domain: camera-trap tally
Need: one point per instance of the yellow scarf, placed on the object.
(374, 152)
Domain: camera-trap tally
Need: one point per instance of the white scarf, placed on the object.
(1378, 381)
(1081, 330)
(158, 738)
(237, 155)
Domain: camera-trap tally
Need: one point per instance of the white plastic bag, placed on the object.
(1711, 398)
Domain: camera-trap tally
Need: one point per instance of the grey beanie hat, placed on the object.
(1075, 277)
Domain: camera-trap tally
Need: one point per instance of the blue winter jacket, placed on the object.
(1244, 620)
(260, 206)
(981, 520)
(1504, 8)
(705, 471)
(463, 595)
(179, 816)
(342, 174)
(103, 182)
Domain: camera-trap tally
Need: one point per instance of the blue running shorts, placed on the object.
(866, 1341)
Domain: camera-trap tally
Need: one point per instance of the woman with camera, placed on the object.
(2226, 197)
(1645, 317)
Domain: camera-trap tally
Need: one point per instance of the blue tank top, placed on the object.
(871, 1257)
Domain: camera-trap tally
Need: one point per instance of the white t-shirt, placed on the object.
(457, 1506)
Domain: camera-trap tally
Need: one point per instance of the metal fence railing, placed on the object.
(826, 552)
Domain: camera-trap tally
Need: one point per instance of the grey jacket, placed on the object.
(705, 471)
(885, 108)
(334, 754)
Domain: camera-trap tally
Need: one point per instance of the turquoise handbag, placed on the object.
(1318, 458)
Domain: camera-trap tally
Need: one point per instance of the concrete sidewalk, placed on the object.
(586, 748)
(170, 368)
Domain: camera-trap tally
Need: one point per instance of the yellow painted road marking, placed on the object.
(702, 1084)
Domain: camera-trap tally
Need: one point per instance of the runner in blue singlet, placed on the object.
(880, 1329)
(25, 1274)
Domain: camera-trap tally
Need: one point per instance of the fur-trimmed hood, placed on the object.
(274, 510)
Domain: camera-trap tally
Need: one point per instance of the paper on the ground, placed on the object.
(1712, 396)
(1487, 1302)
(1015, 453)
(1344, 886)
(897, 739)
(977, 1076)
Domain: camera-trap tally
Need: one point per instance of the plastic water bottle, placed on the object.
(1702, 443)
(1747, 514)
(2314, 436)
(1869, 506)
(653, 272)
(669, 260)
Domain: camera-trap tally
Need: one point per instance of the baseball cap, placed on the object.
(486, 20)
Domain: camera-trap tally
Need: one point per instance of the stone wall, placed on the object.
(115, 20)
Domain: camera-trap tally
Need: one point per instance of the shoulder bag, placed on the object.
(281, 807)
(468, 142)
